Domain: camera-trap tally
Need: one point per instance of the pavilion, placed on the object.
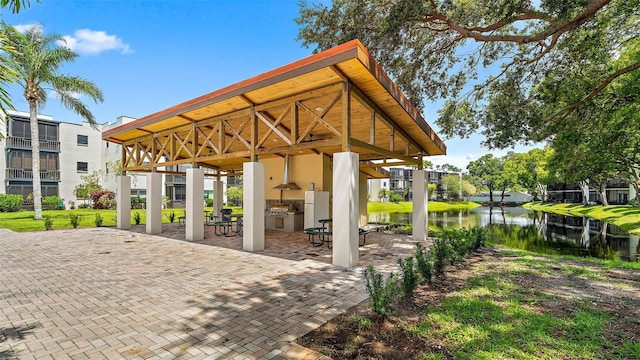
(336, 114)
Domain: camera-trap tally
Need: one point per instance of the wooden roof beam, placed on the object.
(364, 99)
(381, 151)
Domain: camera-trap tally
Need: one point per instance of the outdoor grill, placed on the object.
(280, 209)
(284, 217)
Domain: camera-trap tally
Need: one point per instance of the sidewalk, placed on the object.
(105, 293)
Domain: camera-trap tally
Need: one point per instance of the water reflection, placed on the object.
(540, 232)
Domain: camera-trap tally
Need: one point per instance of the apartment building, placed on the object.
(67, 152)
(401, 178)
(619, 192)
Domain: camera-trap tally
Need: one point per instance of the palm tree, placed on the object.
(7, 76)
(37, 61)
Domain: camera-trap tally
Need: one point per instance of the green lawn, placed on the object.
(23, 221)
(627, 217)
(407, 206)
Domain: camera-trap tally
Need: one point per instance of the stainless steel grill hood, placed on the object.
(286, 185)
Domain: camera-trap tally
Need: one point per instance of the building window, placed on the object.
(83, 140)
(83, 167)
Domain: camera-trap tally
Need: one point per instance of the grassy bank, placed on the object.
(626, 217)
(23, 221)
(407, 206)
(499, 304)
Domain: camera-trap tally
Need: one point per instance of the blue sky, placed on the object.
(149, 55)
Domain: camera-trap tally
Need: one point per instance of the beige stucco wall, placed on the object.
(304, 170)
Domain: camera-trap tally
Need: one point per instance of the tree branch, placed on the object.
(479, 36)
(563, 113)
(525, 15)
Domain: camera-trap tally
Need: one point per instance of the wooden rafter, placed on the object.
(236, 134)
(318, 118)
(273, 127)
(207, 141)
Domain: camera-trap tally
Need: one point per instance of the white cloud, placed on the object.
(91, 42)
(470, 156)
(55, 95)
(23, 27)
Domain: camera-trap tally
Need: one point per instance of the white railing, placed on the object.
(28, 174)
(25, 143)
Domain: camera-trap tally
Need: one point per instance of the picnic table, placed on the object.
(319, 235)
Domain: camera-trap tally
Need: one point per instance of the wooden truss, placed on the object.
(330, 119)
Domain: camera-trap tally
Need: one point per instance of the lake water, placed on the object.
(535, 231)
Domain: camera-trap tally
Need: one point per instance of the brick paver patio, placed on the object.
(105, 293)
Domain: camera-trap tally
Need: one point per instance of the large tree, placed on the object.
(488, 169)
(486, 58)
(38, 59)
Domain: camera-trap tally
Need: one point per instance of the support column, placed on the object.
(194, 222)
(218, 196)
(123, 202)
(154, 203)
(345, 209)
(253, 204)
(419, 205)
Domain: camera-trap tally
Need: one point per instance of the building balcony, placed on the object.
(27, 174)
(25, 143)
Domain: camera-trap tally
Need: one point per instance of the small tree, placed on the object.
(452, 183)
(431, 190)
(234, 194)
(90, 183)
(383, 194)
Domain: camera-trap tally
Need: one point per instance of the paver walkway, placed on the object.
(105, 293)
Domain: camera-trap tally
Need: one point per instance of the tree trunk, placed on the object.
(603, 194)
(636, 185)
(35, 160)
(584, 186)
(491, 194)
(542, 189)
(502, 195)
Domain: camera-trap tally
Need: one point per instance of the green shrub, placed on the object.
(396, 198)
(381, 293)
(136, 218)
(479, 237)
(138, 202)
(52, 202)
(409, 276)
(74, 220)
(48, 222)
(10, 202)
(171, 216)
(84, 206)
(424, 262)
(441, 253)
(459, 243)
(98, 220)
(209, 202)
